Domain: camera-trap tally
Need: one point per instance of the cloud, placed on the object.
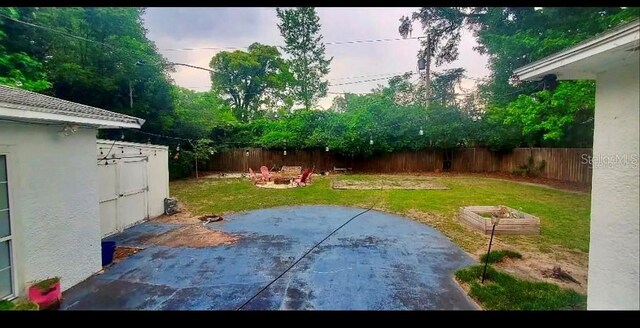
(239, 27)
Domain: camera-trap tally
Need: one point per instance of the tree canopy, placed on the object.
(300, 28)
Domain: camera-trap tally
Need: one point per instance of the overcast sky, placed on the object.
(239, 27)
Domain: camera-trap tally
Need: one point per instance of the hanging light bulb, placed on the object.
(101, 153)
(122, 135)
(140, 151)
(247, 152)
(370, 140)
(285, 152)
(421, 132)
(326, 148)
(122, 150)
(178, 148)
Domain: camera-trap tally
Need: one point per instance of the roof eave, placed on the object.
(31, 116)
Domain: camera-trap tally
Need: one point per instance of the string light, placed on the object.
(371, 141)
(421, 131)
(178, 148)
(247, 152)
(140, 151)
(122, 135)
(326, 148)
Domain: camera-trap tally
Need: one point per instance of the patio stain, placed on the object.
(378, 261)
(192, 235)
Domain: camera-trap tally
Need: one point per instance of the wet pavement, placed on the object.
(378, 261)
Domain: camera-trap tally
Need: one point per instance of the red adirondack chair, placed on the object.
(256, 179)
(266, 176)
(311, 174)
(303, 178)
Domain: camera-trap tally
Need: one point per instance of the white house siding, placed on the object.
(54, 202)
(613, 257)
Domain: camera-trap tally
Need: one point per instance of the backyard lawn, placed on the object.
(564, 215)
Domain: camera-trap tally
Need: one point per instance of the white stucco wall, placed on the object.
(613, 256)
(54, 202)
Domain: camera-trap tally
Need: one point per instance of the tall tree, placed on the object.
(90, 55)
(248, 79)
(300, 28)
(17, 68)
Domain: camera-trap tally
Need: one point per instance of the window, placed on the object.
(6, 279)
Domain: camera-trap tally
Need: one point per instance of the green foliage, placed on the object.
(17, 68)
(500, 255)
(300, 28)
(502, 291)
(25, 305)
(181, 164)
(18, 305)
(45, 285)
(519, 113)
(6, 305)
(249, 79)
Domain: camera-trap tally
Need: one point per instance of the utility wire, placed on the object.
(302, 257)
(326, 43)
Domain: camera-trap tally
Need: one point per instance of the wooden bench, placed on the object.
(341, 169)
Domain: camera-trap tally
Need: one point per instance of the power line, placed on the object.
(363, 81)
(326, 43)
(374, 75)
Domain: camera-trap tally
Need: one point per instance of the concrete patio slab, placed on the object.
(378, 261)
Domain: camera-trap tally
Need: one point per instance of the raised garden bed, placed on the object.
(512, 222)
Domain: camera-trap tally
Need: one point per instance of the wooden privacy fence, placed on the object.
(566, 164)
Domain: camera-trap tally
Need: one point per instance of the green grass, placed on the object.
(500, 255)
(502, 291)
(6, 305)
(564, 215)
(18, 305)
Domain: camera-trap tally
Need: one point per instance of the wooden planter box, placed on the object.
(525, 224)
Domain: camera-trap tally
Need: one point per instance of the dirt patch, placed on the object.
(182, 217)
(557, 184)
(194, 235)
(388, 183)
(533, 266)
(123, 252)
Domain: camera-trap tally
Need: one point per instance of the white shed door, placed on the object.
(132, 200)
(123, 193)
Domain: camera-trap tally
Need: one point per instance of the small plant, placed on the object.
(47, 284)
(6, 305)
(25, 305)
(530, 168)
(19, 305)
(500, 255)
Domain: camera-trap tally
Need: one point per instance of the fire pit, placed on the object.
(281, 180)
(512, 222)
